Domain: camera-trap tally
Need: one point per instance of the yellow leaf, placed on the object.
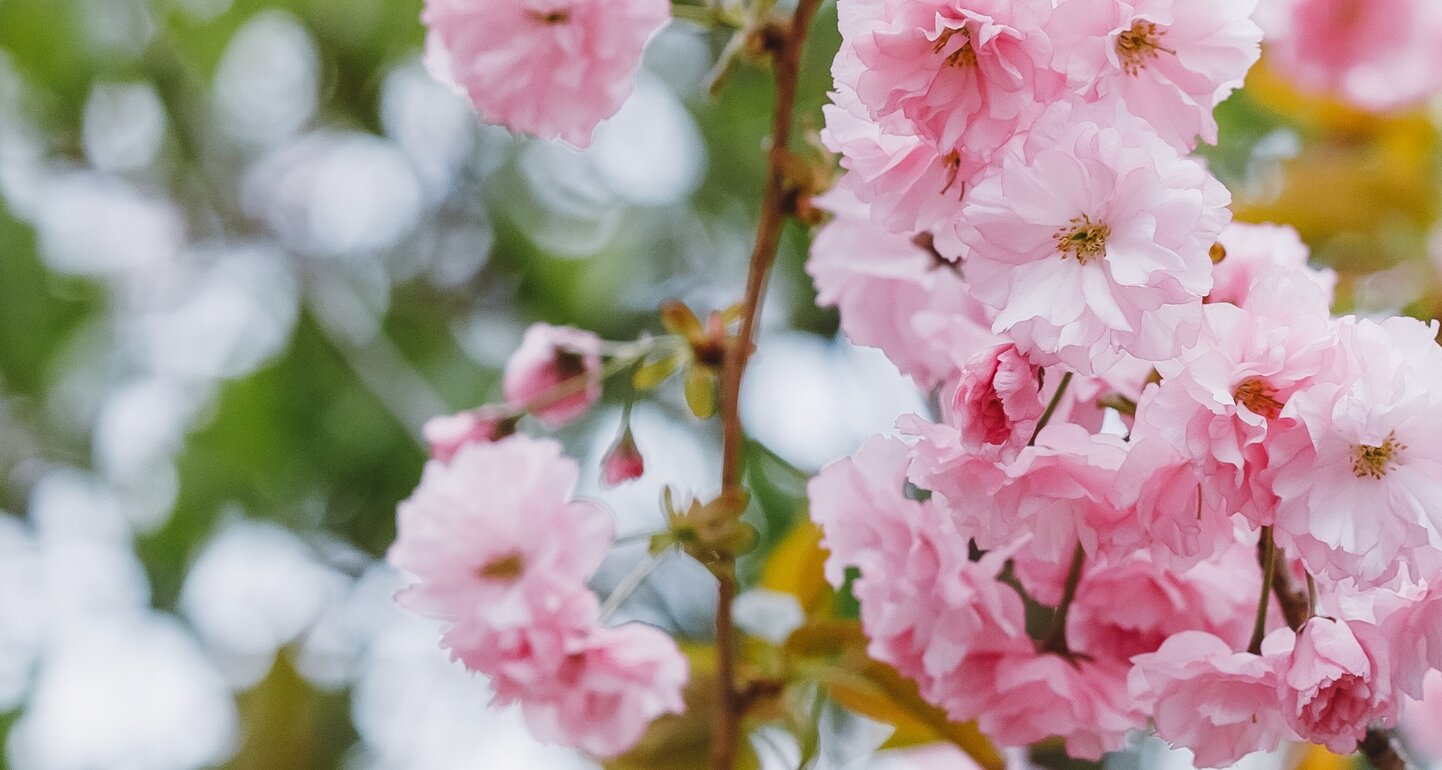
(795, 567)
(654, 372)
(835, 657)
(701, 392)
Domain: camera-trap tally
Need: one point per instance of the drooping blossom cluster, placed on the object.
(1145, 411)
(552, 68)
(499, 551)
(1378, 55)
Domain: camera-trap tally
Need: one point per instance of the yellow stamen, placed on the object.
(1376, 461)
(1139, 45)
(1082, 238)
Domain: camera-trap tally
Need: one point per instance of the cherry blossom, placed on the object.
(554, 374)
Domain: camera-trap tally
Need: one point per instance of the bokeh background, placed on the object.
(248, 246)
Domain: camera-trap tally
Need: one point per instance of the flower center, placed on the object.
(1376, 461)
(1082, 238)
(1139, 45)
(1259, 396)
(506, 569)
(558, 16)
(965, 56)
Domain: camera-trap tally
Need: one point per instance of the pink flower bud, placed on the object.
(623, 462)
(555, 373)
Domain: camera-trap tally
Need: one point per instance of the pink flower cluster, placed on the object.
(552, 68)
(1378, 55)
(499, 550)
(1137, 397)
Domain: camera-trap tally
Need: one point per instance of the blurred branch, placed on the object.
(787, 43)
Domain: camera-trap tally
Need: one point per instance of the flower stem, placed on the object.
(1051, 407)
(1056, 638)
(1269, 569)
(628, 585)
(776, 207)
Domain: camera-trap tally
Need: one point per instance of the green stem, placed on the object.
(1269, 568)
(1051, 408)
(1056, 638)
(630, 583)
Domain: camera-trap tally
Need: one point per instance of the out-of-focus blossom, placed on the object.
(1379, 55)
(495, 533)
(550, 68)
(1252, 250)
(446, 434)
(623, 462)
(555, 373)
(611, 689)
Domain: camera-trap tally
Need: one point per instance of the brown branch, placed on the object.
(1379, 746)
(786, 41)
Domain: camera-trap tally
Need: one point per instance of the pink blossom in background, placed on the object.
(966, 74)
(1378, 55)
(1207, 697)
(448, 433)
(495, 533)
(893, 294)
(1095, 245)
(1415, 633)
(527, 662)
(1255, 249)
(1367, 437)
(997, 406)
(1336, 683)
(612, 687)
(1171, 62)
(552, 68)
(548, 357)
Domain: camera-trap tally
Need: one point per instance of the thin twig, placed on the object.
(775, 208)
(1269, 571)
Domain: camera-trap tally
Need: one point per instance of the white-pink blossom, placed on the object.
(495, 533)
(552, 68)
(1095, 243)
(1336, 683)
(555, 374)
(1171, 62)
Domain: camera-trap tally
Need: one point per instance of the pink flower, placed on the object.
(1058, 492)
(1421, 717)
(998, 404)
(623, 462)
(1180, 514)
(1335, 685)
(612, 687)
(909, 185)
(1025, 697)
(555, 374)
(1218, 401)
(1415, 632)
(966, 74)
(448, 433)
(553, 68)
(1171, 62)
(526, 662)
(1130, 607)
(1252, 251)
(893, 294)
(1093, 243)
(1367, 437)
(1205, 697)
(925, 607)
(1376, 54)
(494, 534)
